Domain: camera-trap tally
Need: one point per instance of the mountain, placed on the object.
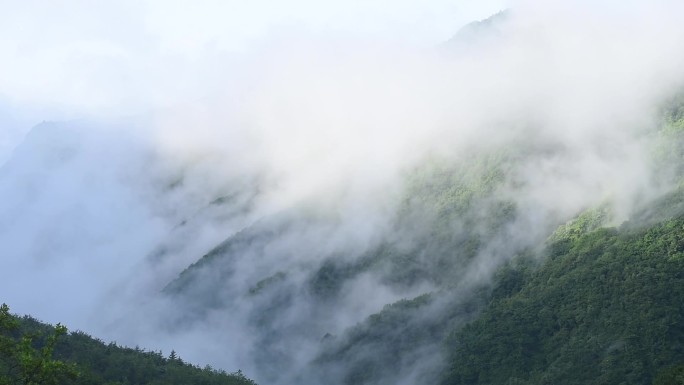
(32, 352)
(479, 32)
(452, 227)
(603, 307)
(472, 279)
(529, 229)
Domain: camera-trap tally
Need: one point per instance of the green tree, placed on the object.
(23, 363)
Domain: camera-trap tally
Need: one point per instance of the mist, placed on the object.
(299, 152)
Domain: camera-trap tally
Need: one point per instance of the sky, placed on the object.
(75, 198)
(77, 58)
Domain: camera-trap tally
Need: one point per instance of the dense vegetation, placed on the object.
(34, 353)
(595, 305)
(604, 308)
(601, 305)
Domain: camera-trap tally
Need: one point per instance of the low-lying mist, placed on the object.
(315, 182)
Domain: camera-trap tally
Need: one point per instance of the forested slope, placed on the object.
(32, 352)
(604, 307)
(572, 303)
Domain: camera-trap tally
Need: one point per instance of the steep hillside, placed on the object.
(603, 308)
(32, 352)
(294, 293)
(427, 280)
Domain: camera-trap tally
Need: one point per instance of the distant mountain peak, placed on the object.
(477, 31)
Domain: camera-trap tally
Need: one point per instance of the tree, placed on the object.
(22, 362)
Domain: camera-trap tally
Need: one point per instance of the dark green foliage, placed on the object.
(607, 310)
(35, 353)
(671, 375)
(27, 359)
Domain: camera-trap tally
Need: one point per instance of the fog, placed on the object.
(298, 145)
